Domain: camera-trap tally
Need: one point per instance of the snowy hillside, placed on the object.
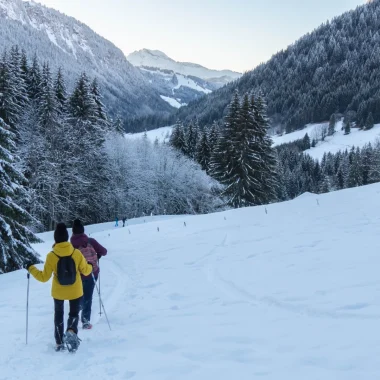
(177, 89)
(339, 141)
(158, 59)
(291, 294)
(65, 42)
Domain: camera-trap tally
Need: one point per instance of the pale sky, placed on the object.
(218, 34)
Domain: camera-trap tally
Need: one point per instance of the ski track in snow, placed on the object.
(292, 294)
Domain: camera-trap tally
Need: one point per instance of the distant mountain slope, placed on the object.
(158, 59)
(66, 42)
(333, 69)
(331, 144)
(177, 89)
(179, 83)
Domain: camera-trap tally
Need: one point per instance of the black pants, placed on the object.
(72, 322)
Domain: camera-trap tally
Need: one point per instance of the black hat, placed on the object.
(78, 227)
(61, 234)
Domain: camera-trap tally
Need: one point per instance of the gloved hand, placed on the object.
(27, 265)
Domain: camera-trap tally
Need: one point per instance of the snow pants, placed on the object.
(72, 322)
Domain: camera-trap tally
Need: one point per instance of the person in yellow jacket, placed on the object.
(73, 293)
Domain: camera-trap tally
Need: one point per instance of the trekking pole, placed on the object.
(27, 308)
(100, 305)
(100, 300)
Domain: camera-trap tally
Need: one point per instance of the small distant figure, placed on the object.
(116, 222)
(124, 220)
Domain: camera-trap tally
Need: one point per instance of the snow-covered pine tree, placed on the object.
(369, 123)
(366, 160)
(15, 237)
(355, 175)
(306, 142)
(374, 172)
(177, 138)
(61, 93)
(34, 79)
(191, 137)
(203, 151)
(223, 151)
(11, 92)
(90, 137)
(118, 126)
(267, 177)
(332, 124)
(347, 127)
(24, 66)
(213, 136)
(101, 112)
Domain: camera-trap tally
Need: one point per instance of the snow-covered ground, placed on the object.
(291, 294)
(173, 102)
(162, 134)
(187, 82)
(339, 141)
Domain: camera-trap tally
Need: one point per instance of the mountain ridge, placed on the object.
(149, 57)
(66, 42)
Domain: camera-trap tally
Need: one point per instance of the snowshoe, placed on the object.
(71, 340)
(60, 347)
(87, 326)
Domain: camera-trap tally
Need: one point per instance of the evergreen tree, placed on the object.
(369, 123)
(61, 93)
(24, 66)
(203, 151)
(82, 103)
(12, 98)
(244, 161)
(306, 142)
(268, 175)
(15, 237)
(34, 79)
(191, 136)
(177, 139)
(355, 176)
(332, 124)
(101, 112)
(223, 151)
(89, 131)
(241, 179)
(347, 127)
(213, 136)
(118, 125)
(366, 161)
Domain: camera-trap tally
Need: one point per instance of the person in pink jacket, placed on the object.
(92, 251)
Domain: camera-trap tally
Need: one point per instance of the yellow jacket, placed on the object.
(59, 292)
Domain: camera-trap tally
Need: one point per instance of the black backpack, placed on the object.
(66, 270)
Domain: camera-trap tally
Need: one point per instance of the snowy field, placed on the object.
(291, 294)
(333, 144)
(162, 134)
